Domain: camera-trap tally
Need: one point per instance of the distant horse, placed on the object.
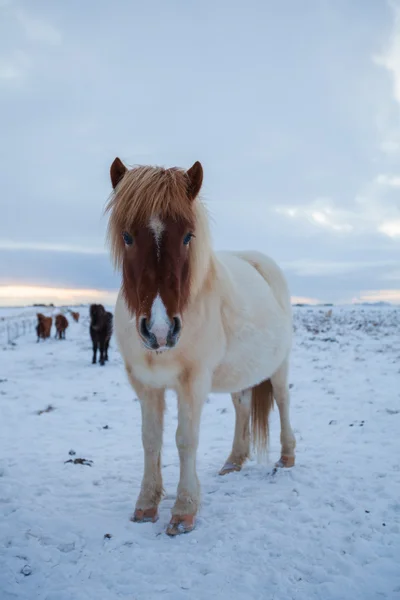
(101, 325)
(75, 316)
(196, 321)
(61, 326)
(43, 327)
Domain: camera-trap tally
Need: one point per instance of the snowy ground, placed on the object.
(329, 529)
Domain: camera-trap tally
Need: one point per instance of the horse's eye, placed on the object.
(128, 239)
(187, 238)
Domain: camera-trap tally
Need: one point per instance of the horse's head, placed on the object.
(153, 228)
(97, 312)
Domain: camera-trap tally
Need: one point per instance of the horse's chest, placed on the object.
(156, 375)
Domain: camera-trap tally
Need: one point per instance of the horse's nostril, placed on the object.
(177, 327)
(144, 330)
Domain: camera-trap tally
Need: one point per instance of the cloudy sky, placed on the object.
(293, 108)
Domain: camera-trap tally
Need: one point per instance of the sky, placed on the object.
(293, 109)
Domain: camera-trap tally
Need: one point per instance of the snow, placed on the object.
(329, 529)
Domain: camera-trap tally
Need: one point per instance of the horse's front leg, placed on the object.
(153, 406)
(190, 403)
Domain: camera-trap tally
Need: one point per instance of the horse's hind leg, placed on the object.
(241, 440)
(106, 349)
(280, 388)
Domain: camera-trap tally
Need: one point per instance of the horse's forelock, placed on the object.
(144, 193)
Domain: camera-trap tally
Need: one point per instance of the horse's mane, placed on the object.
(144, 192)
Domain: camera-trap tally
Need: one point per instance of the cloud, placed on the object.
(38, 29)
(14, 67)
(392, 296)
(312, 268)
(321, 213)
(390, 228)
(388, 180)
(23, 37)
(49, 247)
(9, 71)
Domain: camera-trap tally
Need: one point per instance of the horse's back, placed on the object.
(255, 276)
(271, 273)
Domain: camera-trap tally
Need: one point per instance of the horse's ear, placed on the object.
(117, 171)
(195, 175)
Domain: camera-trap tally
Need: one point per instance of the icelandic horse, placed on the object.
(196, 321)
(61, 323)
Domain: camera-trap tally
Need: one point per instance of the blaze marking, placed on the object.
(159, 320)
(157, 227)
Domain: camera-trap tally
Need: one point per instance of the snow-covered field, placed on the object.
(329, 529)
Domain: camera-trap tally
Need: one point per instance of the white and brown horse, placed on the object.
(194, 321)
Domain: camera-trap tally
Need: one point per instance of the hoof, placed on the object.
(229, 468)
(180, 524)
(285, 462)
(149, 515)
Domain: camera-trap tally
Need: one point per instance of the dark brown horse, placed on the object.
(43, 328)
(61, 326)
(101, 325)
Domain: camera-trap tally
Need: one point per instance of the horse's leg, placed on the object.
(241, 441)
(94, 352)
(107, 344)
(190, 403)
(102, 351)
(280, 388)
(152, 403)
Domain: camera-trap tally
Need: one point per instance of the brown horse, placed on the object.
(43, 328)
(61, 326)
(100, 331)
(75, 316)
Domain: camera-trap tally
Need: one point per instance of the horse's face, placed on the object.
(97, 312)
(157, 279)
(156, 270)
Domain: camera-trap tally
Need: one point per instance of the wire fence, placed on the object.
(12, 328)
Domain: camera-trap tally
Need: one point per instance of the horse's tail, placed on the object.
(262, 402)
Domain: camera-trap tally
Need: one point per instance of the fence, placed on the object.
(11, 328)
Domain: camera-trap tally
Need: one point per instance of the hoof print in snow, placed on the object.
(106, 427)
(26, 570)
(333, 422)
(107, 536)
(79, 461)
(50, 408)
(359, 423)
(72, 452)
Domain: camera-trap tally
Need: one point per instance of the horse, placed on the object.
(61, 325)
(43, 327)
(100, 331)
(196, 321)
(75, 316)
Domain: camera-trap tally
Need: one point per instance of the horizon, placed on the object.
(299, 136)
(25, 297)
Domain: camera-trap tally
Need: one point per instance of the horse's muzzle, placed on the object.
(160, 338)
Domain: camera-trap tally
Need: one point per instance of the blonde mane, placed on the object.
(145, 192)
